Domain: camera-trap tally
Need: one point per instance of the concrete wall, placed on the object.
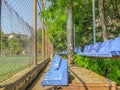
(21, 80)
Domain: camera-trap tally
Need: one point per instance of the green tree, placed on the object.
(39, 40)
(14, 46)
(56, 19)
(102, 19)
(70, 31)
(3, 43)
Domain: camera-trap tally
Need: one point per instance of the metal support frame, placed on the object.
(0, 15)
(43, 33)
(47, 46)
(74, 36)
(35, 32)
(94, 25)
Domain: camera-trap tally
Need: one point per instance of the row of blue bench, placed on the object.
(57, 75)
(107, 48)
(63, 52)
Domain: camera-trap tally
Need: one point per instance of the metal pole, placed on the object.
(94, 29)
(35, 32)
(47, 46)
(74, 35)
(43, 33)
(0, 15)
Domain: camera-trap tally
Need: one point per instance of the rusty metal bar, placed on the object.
(45, 46)
(52, 50)
(0, 15)
(48, 48)
(35, 33)
(43, 32)
(0, 21)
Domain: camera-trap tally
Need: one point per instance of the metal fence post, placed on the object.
(35, 32)
(45, 46)
(0, 15)
(48, 48)
(43, 33)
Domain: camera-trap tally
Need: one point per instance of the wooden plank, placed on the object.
(83, 79)
(118, 87)
(79, 79)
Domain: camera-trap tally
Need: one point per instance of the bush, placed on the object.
(107, 67)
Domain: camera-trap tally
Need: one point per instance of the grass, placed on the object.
(10, 65)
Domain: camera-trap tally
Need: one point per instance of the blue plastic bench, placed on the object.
(76, 50)
(116, 47)
(57, 77)
(105, 49)
(56, 62)
(63, 53)
(94, 49)
(79, 51)
(84, 51)
(87, 50)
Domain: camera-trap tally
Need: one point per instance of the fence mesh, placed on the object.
(39, 32)
(16, 37)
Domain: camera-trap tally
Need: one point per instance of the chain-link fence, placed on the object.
(16, 37)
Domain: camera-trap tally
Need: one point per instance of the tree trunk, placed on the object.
(69, 32)
(102, 18)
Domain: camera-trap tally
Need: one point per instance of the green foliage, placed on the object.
(3, 41)
(39, 40)
(14, 46)
(55, 19)
(107, 67)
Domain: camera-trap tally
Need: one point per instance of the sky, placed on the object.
(15, 10)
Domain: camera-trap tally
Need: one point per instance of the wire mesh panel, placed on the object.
(39, 32)
(16, 37)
